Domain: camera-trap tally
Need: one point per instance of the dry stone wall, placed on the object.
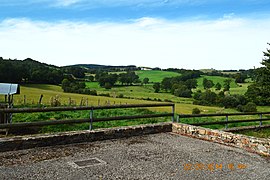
(253, 144)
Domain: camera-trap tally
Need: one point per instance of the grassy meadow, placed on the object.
(155, 75)
(132, 94)
(33, 92)
(136, 94)
(261, 133)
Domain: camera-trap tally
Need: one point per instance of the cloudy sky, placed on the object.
(192, 34)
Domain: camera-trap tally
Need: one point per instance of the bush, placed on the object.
(250, 107)
(230, 101)
(240, 108)
(104, 94)
(167, 100)
(90, 92)
(108, 85)
(120, 96)
(196, 111)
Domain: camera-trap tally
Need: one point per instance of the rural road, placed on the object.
(156, 156)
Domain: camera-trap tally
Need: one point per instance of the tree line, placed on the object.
(31, 71)
(108, 80)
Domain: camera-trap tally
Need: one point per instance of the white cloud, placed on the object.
(66, 2)
(102, 3)
(221, 44)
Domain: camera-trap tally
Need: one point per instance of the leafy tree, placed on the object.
(128, 78)
(240, 77)
(91, 78)
(107, 85)
(254, 94)
(156, 87)
(65, 84)
(227, 85)
(146, 80)
(207, 84)
(76, 71)
(250, 107)
(107, 78)
(210, 97)
(218, 86)
(205, 98)
(182, 91)
(230, 102)
(191, 83)
(259, 92)
(166, 84)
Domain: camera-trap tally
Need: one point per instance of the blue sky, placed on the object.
(122, 10)
(194, 34)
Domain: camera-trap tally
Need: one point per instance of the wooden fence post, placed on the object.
(40, 99)
(24, 99)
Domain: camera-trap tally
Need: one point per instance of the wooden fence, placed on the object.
(226, 115)
(91, 118)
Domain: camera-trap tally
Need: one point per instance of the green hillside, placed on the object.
(156, 75)
(215, 79)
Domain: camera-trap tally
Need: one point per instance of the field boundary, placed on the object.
(7, 112)
(226, 115)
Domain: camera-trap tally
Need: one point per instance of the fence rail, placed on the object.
(55, 109)
(226, 115)
(90, 120)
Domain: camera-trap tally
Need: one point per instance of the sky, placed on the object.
(190, 34)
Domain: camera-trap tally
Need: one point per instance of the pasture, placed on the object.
(33, 92)
(236, 88)
(135, 94)
(155, 75)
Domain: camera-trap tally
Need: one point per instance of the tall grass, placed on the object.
(47, 116)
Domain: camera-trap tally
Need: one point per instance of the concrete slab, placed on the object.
(155, 156)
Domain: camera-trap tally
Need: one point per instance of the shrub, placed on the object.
(167, 100)
(120, 96)
(196, 111)
(240, 108)
(230, 101)
(108, 85)
(250, 107)
(104, 94)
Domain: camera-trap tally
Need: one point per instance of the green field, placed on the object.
(239, 88)
(47, 116)
(262, 133)
(145, 92)
(155, 75)
(215, 79)
(136, 94)
(33, 92)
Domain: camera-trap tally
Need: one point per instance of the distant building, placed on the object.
(146, 68)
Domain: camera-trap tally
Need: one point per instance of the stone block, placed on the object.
(201, 131)
(261, 148)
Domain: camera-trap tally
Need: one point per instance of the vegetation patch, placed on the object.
(260, 133)
(48, 116)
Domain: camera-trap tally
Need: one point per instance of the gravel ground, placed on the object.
(157, 156)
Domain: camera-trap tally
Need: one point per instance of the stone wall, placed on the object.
(41, 140)
(258, 145)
